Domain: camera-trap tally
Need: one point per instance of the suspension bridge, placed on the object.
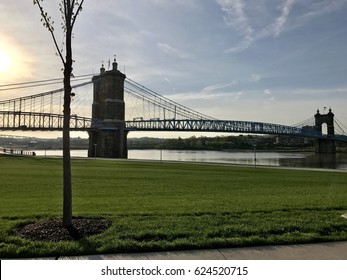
(137, 108)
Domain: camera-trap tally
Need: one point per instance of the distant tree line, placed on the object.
(240, 142)
(29, 143)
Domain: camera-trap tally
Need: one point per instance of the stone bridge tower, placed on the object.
(326, 145)
(109, 138)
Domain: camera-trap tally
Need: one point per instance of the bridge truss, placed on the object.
(204, 125)
(40, 121)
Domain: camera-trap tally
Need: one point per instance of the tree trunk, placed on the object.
(67, 200)
(67, 196)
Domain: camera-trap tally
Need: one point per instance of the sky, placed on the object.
(272, 61)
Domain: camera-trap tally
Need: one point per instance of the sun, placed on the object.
(5, 61)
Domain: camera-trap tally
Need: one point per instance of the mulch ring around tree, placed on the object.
(54, 231)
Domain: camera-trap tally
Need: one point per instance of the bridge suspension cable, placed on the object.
(22, 103)
(44, 111)
(40, 83)
(305, 123)
(166, 108)
(341, 126)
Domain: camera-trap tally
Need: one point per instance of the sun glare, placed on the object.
(5, 61)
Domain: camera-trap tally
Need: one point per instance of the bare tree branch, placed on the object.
(65, 12)
(77, 12)
(50, 29)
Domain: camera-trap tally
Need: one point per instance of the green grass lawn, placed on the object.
(169, 206)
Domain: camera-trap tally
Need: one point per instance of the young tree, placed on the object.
(69, 11)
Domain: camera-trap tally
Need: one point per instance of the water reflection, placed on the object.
(309, 160)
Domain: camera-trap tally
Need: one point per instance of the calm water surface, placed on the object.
(262, 158)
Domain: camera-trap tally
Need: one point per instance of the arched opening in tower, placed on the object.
(324, 129)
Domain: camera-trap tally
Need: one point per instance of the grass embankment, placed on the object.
(168, 206)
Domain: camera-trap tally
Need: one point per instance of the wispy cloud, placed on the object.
(236, 18)
(268, 94)
(322, 7)
(219, 86)
(277, 27)
(175, 2)
(255, 78)
(244, 44)
(206, 96)
(235, 15)
(261, 105)
(170, 83)
(166, 48)
(240, 15)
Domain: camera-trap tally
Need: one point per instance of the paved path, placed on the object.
(316, 251)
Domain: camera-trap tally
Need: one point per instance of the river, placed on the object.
(284, 159)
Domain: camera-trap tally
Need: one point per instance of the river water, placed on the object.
(285, 159)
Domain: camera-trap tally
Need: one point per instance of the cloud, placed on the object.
(277, 27)
(237, 95)
(185, 3)
(306, 95)
(268, 95)
(322, 7)
(219, 86)
(166, 48)
(255, 78)
(170, 83)
(245, 43)
(197, 97)
(236, 18)
(325, 93)
(267, 92)
(242, 17)
(235, 15)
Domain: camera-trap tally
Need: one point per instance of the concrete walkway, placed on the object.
(316, 251)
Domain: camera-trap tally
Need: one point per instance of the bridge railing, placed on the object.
(16, 152)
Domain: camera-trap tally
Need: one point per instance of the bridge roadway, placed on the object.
(34, 121)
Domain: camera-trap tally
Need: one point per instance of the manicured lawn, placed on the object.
(169, 206)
